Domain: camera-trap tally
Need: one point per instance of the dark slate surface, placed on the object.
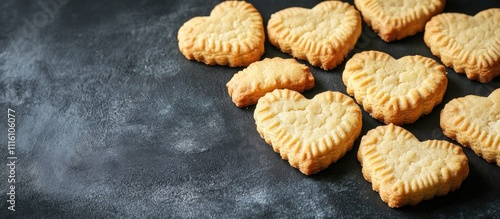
(112, 121)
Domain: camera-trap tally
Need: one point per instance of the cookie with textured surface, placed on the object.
(474, 122)
(406, 171)
(323, 35)
(310, 133)
(395, 91)
(253, 82)
(232, 35)
(468, 44)
(397, 19)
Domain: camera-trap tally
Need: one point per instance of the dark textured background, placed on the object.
(112, 121)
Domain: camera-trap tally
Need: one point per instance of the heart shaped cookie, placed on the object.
(232, 35)
(395, 91)
(474, 122)
(323, 35)
(468, 44)
(405, 171)
(397, 19)
(310, 134)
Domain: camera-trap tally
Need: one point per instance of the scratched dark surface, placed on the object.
(113, 122)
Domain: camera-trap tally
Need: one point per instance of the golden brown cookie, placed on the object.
(253, 82)
(395, 91)
(323, 35)
(397, 19)
(468, 44)
(474, 122)
(405, 171)
(232, 35)
(310, 134)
